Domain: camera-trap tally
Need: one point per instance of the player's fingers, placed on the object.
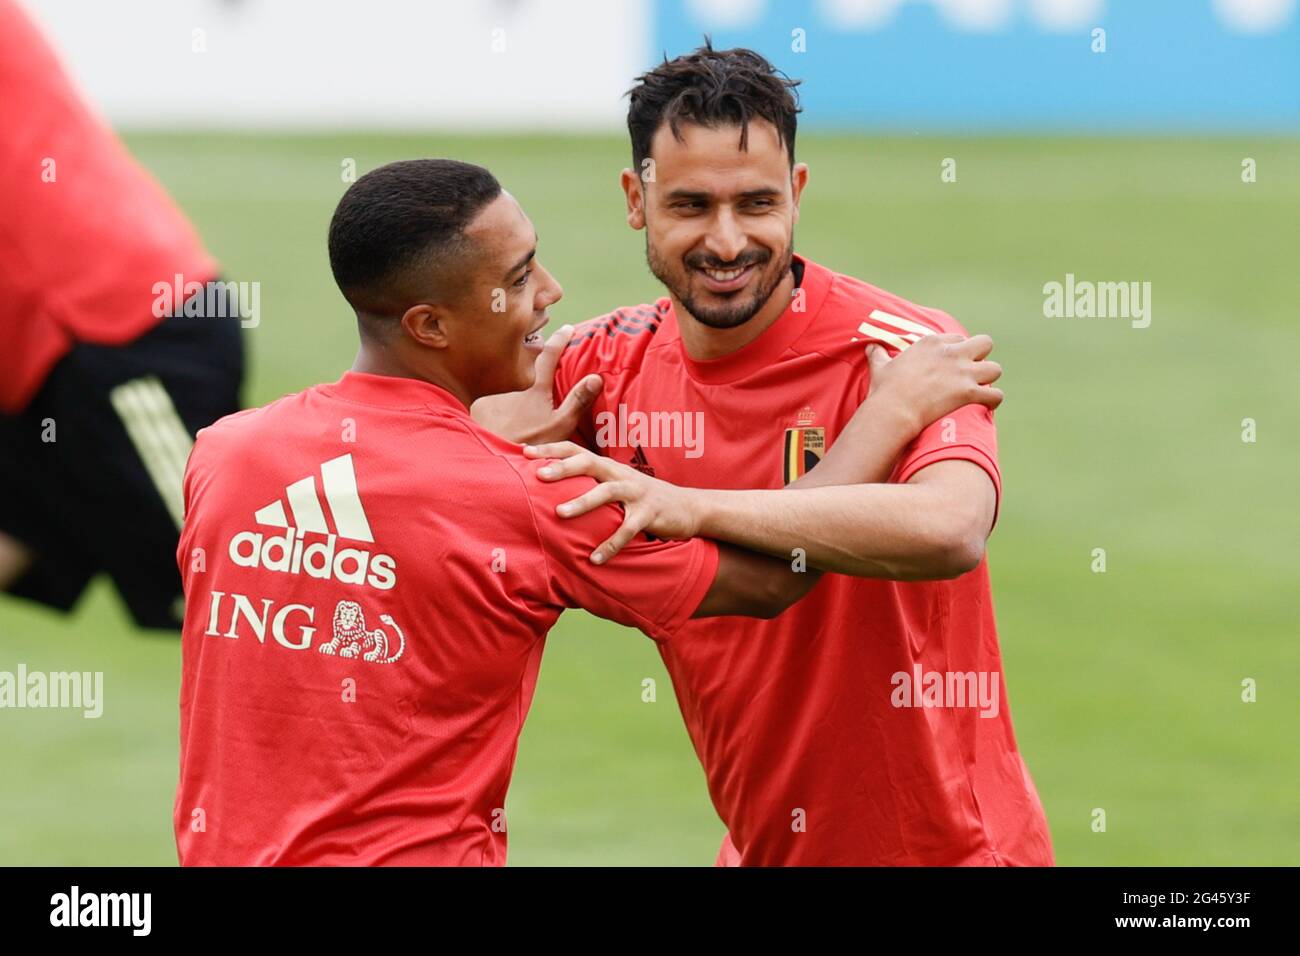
(628, 530)
(595, 498)
(940, 341)
(544, 367)
(990, 396)
(553, 449)
(977, 347)
(578, 399)
(877, 357)
(987, 372)
(944, 343)
(594, 466)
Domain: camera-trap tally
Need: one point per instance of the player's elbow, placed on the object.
(968, 531)
(964, 554)
(770, 604)
(783, 589)
(954, 546)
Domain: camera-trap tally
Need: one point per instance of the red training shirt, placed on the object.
(815, 748)
(372, 518)
(86, 232)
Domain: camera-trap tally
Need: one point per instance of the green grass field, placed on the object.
(1125, 686)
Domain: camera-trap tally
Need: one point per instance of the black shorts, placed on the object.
(90, 471)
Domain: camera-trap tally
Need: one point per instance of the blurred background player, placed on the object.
(104, 378)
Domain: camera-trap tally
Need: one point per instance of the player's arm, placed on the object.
(932, 527)
(655, 585)
(15, 559)
(754, 585)
(531, 415)
(929, 380)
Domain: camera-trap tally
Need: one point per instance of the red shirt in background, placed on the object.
(86, 232)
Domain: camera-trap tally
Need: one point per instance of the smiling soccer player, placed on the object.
(808, 756)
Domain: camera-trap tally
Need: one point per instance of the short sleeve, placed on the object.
(968, 434)
(652, 585)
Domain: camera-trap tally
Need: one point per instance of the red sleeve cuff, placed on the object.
(696, 581)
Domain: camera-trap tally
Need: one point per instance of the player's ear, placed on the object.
(427, 325)
(798, 180)
(634, 190)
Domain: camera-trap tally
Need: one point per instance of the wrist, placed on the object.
(903, 420)
(701, 511)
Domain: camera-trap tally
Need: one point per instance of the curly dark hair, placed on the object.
(711, 88)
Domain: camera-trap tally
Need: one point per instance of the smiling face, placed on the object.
(719, 219)
(494, 327)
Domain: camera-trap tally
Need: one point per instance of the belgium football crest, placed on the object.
(804, 447)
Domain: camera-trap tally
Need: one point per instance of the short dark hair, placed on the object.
(396, 223)
(711, 88)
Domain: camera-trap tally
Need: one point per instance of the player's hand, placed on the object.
(661, 508)
(935, 376)
(531, 415)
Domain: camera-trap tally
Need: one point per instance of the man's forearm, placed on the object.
(858, 525)
(754, 585)
(868, 447)
(904, 532)
(749, 583)
(843, 516)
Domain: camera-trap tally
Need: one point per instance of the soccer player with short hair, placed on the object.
(835, 733)
(370, 575)
(103, 382)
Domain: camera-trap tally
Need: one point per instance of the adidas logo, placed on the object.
(641, 463)
(893, 330)
(289, 552)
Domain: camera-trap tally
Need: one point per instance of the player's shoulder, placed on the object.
(616, 340)
(865, 309)
(514, 480)
(251, 427)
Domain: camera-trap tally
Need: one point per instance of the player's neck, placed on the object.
(703, 343)
(375, 359)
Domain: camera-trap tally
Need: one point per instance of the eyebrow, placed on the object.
(525, 260)
(677, 194)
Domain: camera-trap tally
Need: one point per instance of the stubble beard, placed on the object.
(726, 316)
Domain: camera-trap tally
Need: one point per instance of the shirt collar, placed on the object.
(391, 391)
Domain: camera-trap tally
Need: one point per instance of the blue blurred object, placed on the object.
(1013, 65)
